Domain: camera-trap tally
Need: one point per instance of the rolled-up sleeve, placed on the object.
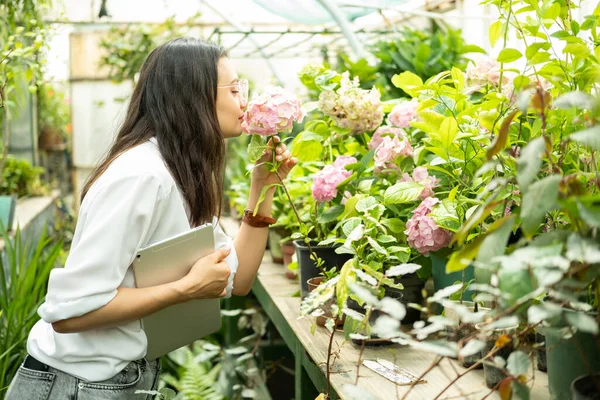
(224, 241)
(117, 221)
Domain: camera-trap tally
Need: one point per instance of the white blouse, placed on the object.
(135, 202)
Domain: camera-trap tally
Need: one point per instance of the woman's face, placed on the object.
(230, 108)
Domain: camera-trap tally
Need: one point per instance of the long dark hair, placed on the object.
(174, 100)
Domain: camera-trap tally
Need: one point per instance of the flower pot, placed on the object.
(312, 284)
(275, 247)
(494, 375)
(586, 388)
(460, 331)
(540, 352)
(287, 251)
(308, 268)
(7, 211)
(51, 140)
(442, 280)
(568, 359)
(412, 293)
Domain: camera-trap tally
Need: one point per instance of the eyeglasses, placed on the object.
(242, 90)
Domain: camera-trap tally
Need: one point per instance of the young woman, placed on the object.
(162, 176)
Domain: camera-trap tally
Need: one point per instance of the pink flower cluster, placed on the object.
(272, 112)
(421, 176)
(389, 150)
(423, 233)
(385, 130)
(326, 181)
(485, 70)
(403, 114)
(351, 107)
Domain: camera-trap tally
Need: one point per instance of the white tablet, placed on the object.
(168, 261)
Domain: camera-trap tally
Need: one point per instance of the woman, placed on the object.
(162, 176)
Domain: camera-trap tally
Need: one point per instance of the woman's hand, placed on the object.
(261, 174)
(208, 277)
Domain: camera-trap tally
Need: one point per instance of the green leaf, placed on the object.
(518, 363)
(462, 258)
(533, 48)
(478, 216)
(331, 214)
(307, 146)
(552, 12)
(342, 287)
(256, 148)
(577, 49)
(394, 224)
(509, 55)
(502, 138)
(376, 246)
(540, 198)
(458, 78)
(447, 132)
(589, 137)
(366, 204)
(494, 32)
(582, 322)
(408, 81)
(263, 193)
(529, 162)
(403, 192)
(519, 390)
(496, 238)
(444, 214)
(590, 216)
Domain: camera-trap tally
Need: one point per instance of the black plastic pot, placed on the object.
(540, 352)
(412, 293)
(308, 268)
(586, 387)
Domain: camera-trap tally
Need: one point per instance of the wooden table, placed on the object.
(275, 293)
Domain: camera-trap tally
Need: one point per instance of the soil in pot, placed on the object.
(308, 268)
(568, 359)
(586, 388)
(462, 330)
(375, 341)
(312, 285)
(494, 375)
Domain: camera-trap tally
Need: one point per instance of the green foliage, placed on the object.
(24, 273)
(22, 179)
(53, 110)
(424, 53)
(128, 46)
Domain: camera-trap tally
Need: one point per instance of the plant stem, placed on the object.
(362, 349)
(328, 360)
(292, 204)
(434, 364)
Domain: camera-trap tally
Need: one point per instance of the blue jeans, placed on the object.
(54, 384)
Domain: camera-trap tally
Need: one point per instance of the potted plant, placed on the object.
(53, 117)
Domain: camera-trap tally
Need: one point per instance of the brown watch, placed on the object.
(257, 221)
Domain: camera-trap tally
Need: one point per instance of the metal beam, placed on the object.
(345, 26)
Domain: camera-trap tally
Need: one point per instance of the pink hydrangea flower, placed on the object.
(403, 114)
(421, 176)
(351, 107)
(485, 70)
(272, 112)
(385, 130)
(326, 181)
(423, 233)
(389, 150)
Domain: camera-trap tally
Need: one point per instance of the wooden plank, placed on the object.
(276, 293)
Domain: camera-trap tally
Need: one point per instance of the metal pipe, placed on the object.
(345, 26)
(418, 13)
(250, 38)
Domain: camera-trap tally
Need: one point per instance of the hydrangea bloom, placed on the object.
(326, 181)
(402, 114)
(384, 130)
(352, 107)
(390, 149)
(423, 233)
(485, 70)
(421, 175)
(272, 112)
